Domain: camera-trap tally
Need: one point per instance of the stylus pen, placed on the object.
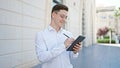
(66, 35)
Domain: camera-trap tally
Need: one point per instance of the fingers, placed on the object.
(68, 41)
(77, 47)
(79, 43)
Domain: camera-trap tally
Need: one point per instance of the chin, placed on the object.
(61, 25)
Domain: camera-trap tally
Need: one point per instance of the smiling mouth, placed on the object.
(62, 23)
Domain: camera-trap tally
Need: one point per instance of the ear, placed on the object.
(53, 14)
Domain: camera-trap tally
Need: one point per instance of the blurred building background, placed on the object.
(106, 19)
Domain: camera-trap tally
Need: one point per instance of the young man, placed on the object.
(51, 43)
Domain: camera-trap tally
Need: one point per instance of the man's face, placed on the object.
(59, 17)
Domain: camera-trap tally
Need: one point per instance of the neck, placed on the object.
(56, 27)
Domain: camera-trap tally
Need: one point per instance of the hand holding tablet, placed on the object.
(79, 39)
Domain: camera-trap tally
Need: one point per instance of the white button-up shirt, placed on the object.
(50, 48)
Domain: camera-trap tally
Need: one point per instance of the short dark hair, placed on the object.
(59, 7)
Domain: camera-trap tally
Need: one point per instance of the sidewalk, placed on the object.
(99, 56)
(116, 45)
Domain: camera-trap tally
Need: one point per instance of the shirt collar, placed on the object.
(50, 28)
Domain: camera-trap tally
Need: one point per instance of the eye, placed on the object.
(63, 16)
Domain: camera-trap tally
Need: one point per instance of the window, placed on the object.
(57, 2)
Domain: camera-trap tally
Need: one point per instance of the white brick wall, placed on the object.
(74, 16)
(19, 21)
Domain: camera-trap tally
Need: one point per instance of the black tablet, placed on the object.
(79, 39)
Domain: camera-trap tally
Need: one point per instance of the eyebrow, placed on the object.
(64, 15)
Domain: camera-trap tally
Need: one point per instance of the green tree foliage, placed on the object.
(117, 12)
